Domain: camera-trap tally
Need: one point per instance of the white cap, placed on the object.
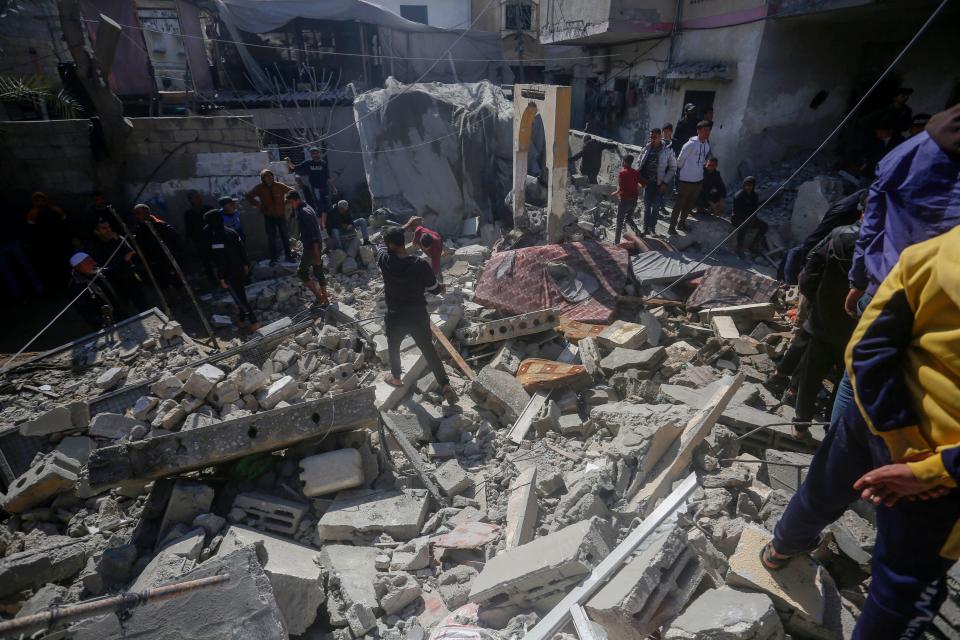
(77, 258)
(343, 203)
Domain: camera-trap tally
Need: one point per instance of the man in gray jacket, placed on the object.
(658, 166)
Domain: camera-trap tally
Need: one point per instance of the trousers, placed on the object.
(237, 291)
(915, 544)
(625, 209)
(277, 226)
(818, 359)
(687, 196)
(417, 325)
(652, 199)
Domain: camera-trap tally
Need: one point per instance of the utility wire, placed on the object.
(843, 122)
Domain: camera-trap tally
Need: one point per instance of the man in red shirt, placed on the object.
(428, 240)
(628, 189)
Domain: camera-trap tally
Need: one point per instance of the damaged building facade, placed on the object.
(777, 75)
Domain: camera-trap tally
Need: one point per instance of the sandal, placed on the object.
(773, 560)
(391, 380)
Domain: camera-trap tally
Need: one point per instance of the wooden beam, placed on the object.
(410, 452)
(694, 433)
(457, 358)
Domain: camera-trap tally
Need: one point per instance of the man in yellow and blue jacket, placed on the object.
(898, 446)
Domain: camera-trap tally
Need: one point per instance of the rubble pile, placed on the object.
(342, 507)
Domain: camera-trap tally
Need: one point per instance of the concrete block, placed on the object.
(512, 327)
(396, 591)
(442, 450)
(167, 387)
(359, 514)
(74, 416)
(353, 572)
(187, 546)
(786, 478)
(412, 556)
(112, 425)
(538, 574)
(249, 378)
(726, 614)
(745, 313)
(188, 499)
(417, 428)
(271, 513)
(55, 473)
(361, 619)
(211, 523)
(283, 389)
(653, 586)
(110, 378)
(474, 254)
(76, 448)
(330, 472)
(171, 330)
(144, 406)
(203, 379)
(455, 585)
(629, 359)
(800, 590)
(625, 335)
(452, 478)
(244, 607)
(225, 392)
(297, 579)
(499, 392)
(724, 327)
(508, 358)
(58, 559)
(522, 508)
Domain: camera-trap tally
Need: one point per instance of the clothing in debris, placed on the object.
(435, 250)
(591, 157)
(916, 196)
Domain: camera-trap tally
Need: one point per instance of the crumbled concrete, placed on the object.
(352, 573)
(784, 477)
(396, 591)
(500, 392)
(330, 472)
(268, 512)
(112, 425)
(726, 614)
(623, 335)
(361, 513)
(203, 379)
(111, 378)
(74, 416)
(188, 499)
(452, 478)
(628, 359)
(53, 474)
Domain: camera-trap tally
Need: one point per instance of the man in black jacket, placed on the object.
(745, 202)
(712, 189)
(405, 279)
(119, 263)
(228, 257)
(149, 231)
(312, 259)
(591, 156)
(686, 128)
(193, 228)
(824, 283)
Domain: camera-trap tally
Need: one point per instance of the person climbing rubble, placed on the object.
(428, 240)
(312, 258)
(405, 279)
(268, 197)
(228, 258)
(591, 156)
(898, 446)
(629, 181)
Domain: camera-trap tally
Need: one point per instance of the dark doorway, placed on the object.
(702, 99)
(414, 12)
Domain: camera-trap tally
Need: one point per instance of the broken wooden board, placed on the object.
(457, 358)
(536, 374)
(575, 331)
(697, 429)
(411, 454)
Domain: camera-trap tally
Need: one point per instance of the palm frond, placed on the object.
(39, 92)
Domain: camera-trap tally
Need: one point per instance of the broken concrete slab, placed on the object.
(745, 313)
(76, 448)
(467, 535)
(452, 478)
(455, 585)
(536, 575)
(499, 392)
(294, 572)
(727, 614)
(512, 327)
(188, 499)
(331, 471)
(352, 573)
(270, 513)
(58, 559)
(53, 474)
(522, 508)
(786, 469)
(362, 513)
(508, 358)
(245, 607)
(74, 416)
(416, 428)
(724, 327)
(396, 591)
(110, 378)
(232, 439)
(203, 379)
(624, 335)
(627, 359)
(113, 425)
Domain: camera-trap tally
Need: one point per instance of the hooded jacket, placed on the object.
(903, 364)
(692, 157)
(405, 278)
(271, 198)
(916, 196)
(224, 248)
(666, 161)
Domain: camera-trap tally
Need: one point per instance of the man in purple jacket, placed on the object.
(915, 197)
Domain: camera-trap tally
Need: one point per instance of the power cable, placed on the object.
(6, 366)
(843, 122)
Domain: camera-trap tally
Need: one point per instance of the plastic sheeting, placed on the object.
(410, 50)
(443, 152)
(524, 283)
(658, 268)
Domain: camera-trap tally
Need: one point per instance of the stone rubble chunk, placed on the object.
(455, 585)
(622, 334)
(352, 573)
(58, 559)
(330, 472)
(726, 614)
(53, 474)
(270, 513)
(203, 379)
(412, 556)
(499, 392)
(361, 619)
(188, 499)
(724, 327)
(396, 591)
(74, 416)
(144, 406)
(452, 478)
(283, 389)
(249, 378)
(225, 392)
(110, 378)
(627, 359)
(358, 514)
(171, 330)
(786, 476)
(167, 387)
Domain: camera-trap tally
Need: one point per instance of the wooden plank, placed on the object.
(697, 429)
(525, 420)
(461, 363)
(415, 460)
(522, 508)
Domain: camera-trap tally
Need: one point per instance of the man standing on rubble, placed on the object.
(898, 447)
(268, 197)
(690, 165)
(117, 262)
(686, 128)
(629, 182)
(314, 175)
(591, 156)
(405, 279)
(312, 258)
(658, 167)
(227, 255)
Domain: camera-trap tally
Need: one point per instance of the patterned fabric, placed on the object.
(729, 286)
(515, 282)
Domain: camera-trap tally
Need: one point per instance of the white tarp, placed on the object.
(442, 151)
